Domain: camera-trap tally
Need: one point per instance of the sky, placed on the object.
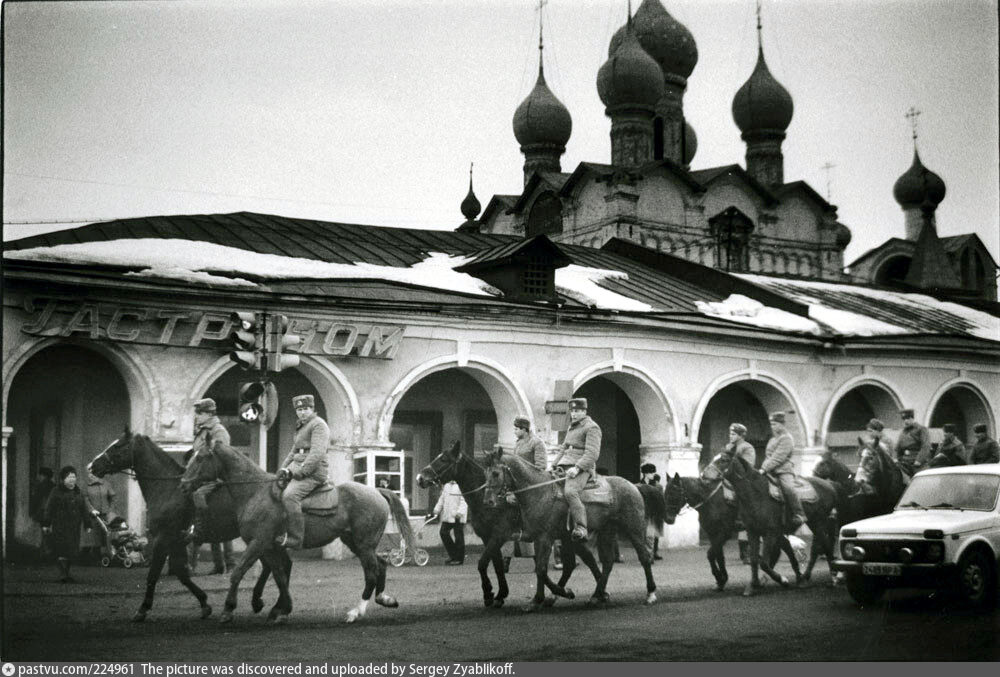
(371, 112)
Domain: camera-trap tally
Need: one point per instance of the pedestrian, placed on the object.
(36, 504)
(647, 475)
(913, 446)
(778, 464)
(65, 512)
(208, 432)
(306, 465)
(985, 450)
(578, 458)
(951, 451)
(453, 511)
(102, 499)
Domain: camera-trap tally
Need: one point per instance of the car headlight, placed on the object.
(935, 552)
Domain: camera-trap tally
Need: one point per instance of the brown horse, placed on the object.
(764, 518)
(169, 513)
(715, 515)
(543, 515)
(359, 520)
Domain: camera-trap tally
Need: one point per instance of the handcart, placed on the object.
(121, 544)
(395, 550)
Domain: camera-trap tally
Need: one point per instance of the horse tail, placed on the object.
(402, 520)
(655, 508)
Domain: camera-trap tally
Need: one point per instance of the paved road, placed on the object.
(441, 619)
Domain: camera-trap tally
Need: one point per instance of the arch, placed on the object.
(508, 398)
(544, 216)
(658, 422)
(143, 392)
(967, 390)
(851, 384)
(799, 432)
(893, 270)
(334, 388)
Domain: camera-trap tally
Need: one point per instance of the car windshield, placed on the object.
(951, 491)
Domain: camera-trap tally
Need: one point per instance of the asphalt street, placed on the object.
(441, 618)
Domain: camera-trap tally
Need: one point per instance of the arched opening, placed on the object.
(545, 216)
(442, 406)
(963, 406)
(749, 402)
(893, 271)
(851, 415)
(65, 404)
(612, 410)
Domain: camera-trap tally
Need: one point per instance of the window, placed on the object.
(545, 216)
(537, 278)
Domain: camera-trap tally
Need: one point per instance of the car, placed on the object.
(944, 534)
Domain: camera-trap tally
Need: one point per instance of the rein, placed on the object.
(706, 499)
(130, 469)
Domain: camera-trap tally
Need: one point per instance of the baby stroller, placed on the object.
(121, 544)
(396, 551)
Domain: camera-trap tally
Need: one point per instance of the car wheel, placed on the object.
(864, 591)
(976, 580)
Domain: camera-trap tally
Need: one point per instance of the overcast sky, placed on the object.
(370, 112)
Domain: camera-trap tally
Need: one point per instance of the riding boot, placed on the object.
(296, 528)
(217, 561)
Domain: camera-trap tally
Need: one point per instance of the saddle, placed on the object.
(322, 500)
(805, 490)
(596, 490)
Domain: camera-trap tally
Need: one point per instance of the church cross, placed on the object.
(826, 168)
(912, 116)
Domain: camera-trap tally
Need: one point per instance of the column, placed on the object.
(7, 432)
(683, 460)
(806, 460)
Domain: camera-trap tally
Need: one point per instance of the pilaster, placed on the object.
(7, 432)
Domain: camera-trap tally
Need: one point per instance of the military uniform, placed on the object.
(744, 450)
(985, 451)
(531, 449)
(953, 453)
(581, 448)
(778, 462)
(308, 467)
(208, 433)
(913, 446)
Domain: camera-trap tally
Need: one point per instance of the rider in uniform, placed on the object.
(306, 463)
(208, 432)
(951, 452)
(872, 446)
(578, 458)
(778, 462)
(529, 447)
(738, 446)
(985, 450)
(913, 446)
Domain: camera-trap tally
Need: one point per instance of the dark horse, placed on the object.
(543, 515)
(169, 513)
(359, 520)
(715, 515)
(494, 526)
(764, 518)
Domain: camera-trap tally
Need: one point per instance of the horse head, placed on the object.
(443, 468)
(675, 498)
(202, 468)
(496, 486)
(117, 456)
(831, 468)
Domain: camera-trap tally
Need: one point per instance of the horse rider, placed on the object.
(738, 446)
(913, 446)
(306, 464)
(208, 432)
(872, 448)
(985, 450)
(951, 451)
(529, 446)
(778, 463)
(578, 458)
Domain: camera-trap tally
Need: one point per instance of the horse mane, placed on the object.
(525, 467)
(243, 464)
(158, 452)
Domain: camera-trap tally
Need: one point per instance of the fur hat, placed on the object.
(522, 422)
(579, 403)
(205, 406)
(906, 413)
(647, 468)
(980, 428)
(303, 401)
(778, 417)
(876, 425)
(738, 428)
(949, 428)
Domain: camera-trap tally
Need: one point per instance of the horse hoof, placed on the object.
(487, 600)
(281, 619)
(139, 617)
(533, 606)
(569, 593)
(226, 617)
(497, 603)
(352, 616)
(550, 600)
(206, 611)
(719, 587)
(594, 602)
(387, 601)
(257, 605)
(784, 582)
(272, 617)
(807, 576)
(651, 598)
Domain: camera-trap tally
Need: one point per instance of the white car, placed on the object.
(943, 534)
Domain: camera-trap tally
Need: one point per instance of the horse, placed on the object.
(716, 516)
(494, 526)
(358, 521)
(764, 517)
(544, 513)
(169, 514)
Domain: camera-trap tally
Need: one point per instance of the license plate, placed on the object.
(873, 569)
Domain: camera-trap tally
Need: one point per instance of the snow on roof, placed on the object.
(207, 263)
(740, 308)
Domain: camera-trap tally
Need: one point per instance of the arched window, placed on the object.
(545, 216)
(893, 271)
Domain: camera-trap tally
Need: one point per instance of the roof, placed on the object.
(954, 243)
(503, 254)
(552, 180)
(891, 242)
(809, 191)
(707, 176)
(504, 202)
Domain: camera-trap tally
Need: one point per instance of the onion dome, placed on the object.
(664, 38)
(630, 76)
(918, 185)
(690, 143)
(541, 118)
(470, 205)
(844, 236)
(762, 103)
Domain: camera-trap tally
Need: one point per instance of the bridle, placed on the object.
(686, 505)
(452, 468)
(129, 469)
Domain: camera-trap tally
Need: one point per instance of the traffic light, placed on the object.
(281, 343)
(247, 338)
(251, 407)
